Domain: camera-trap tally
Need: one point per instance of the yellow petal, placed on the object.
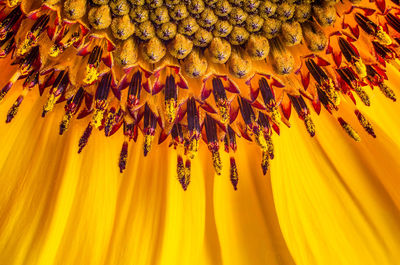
(329, 196)
(247, 225)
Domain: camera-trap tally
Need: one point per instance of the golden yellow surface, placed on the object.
(327, 199)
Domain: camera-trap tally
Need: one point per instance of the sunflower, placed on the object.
(299, 94)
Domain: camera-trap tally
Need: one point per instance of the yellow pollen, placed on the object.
(91, 74)
(110, 119)
(265, 162)
(275, 115)
(51, 101)
(25, 46)
(223, 112)
(123, 158)
(334, 95)
(387, 91)
(66, 121)
(193, 148)
(148, 139)
(54, 51)
(217, 162)
(170, 106)
(366, 124)
(309, 124)
(2, 95)
(260, 140)
(70, 42)
(360, 67)
(98, 117)
(330, 91)
(187, 175)
(363, 95)
(13, 110)
(383, 37)
(180, 170)
(13, 3)
(270, 146)
(234, 174)
(351, 132)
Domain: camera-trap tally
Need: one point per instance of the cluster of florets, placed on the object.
(198, 32)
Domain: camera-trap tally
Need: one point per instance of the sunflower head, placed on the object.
(199, 70)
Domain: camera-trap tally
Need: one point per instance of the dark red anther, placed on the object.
(221, 100)
(342, 122)
(177, 133)
(247, 111)
(234, 176)
(183, 172)
(49, 79)
(188, 168)
(316, 71)
(232, 139)
(135, 87)
(31, 80)
(365, 123)
(9, 21)
(351, 79)
(348, 51)
(58, 79)
(85, 137)
(349, 130)
(326, 102)
(40, 24)
(192, 116)
(266, 92)
(150, 123)
(150, 120)
(383, 51)
(58, 88)
(373, 76)
(130, 130)
(31, 57)
(61, 83)
(263, 121)
(393, 21)
(226, 143)
(104, 87)
(366, 24)
(71, 107)
(123, 156)
(265, 163)
(299, 105)
(76, 101)
(170, 88)
(5, 89)
(7, 44)
(347, 75)
(180, 170)
(27, 62)
(218, 90)
(14, 109)
(95, 56)
(211, 133)
(109, 121)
